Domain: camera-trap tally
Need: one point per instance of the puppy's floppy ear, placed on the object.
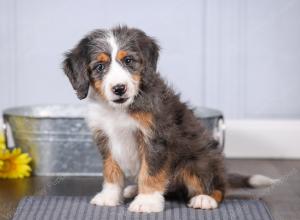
(150, 50)
(76, 68)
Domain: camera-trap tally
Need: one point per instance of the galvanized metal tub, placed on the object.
(58, 140)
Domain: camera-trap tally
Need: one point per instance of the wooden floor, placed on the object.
(283, 198)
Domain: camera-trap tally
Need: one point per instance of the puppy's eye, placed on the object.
(127, 60)
(100, 67)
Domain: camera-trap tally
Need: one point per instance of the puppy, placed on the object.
(142, 128)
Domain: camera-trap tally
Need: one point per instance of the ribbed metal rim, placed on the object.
(202, 112)
(205, 112)
(15, 111)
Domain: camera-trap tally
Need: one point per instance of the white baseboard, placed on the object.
(262, 139)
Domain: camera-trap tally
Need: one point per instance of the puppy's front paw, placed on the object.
(203, 202)
(104, 199)
(110, 196)
(148, 203)
(130, 191)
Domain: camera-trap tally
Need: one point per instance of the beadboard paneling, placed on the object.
(239, 56)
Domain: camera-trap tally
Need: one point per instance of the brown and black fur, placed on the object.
(179, 141)
(178, 153)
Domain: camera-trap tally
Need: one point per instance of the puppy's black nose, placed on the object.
(119, 89)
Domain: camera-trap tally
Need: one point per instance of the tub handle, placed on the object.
(219, 132)
(8, 140)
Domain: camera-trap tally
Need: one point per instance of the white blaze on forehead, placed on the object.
(116, 74)
(112, 42)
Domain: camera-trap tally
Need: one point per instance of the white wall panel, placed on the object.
(225, 56)
(7, 53)
(252, 58)
(240, 56)
(44, 30)
(273, 59)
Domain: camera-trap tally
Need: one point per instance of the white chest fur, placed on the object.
(120, 129)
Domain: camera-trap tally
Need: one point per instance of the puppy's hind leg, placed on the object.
(203, 201)
(198, 195)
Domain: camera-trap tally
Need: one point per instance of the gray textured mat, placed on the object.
(64, 207)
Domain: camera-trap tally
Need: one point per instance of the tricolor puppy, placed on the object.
(142, 128)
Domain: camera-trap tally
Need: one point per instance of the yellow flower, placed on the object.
(13, 163)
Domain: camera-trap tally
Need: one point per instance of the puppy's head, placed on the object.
(112, 63)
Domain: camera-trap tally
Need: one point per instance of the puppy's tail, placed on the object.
(255, 181)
